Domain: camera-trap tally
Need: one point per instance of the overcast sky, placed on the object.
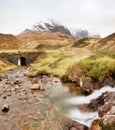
(94, 15)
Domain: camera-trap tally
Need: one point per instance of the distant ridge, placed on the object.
(107, 43)
(52, 35)
(9, 41)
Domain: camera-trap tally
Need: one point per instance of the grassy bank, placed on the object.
(5, 65)
(64, 64)
(96, 66)
(55, 62)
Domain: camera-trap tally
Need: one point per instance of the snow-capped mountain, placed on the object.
(82, 33)
(49, 26)
(56, 26)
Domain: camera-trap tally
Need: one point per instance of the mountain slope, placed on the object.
(8, 41)
(107, 43)
(51, 26)
(85, 42)
(50, 34)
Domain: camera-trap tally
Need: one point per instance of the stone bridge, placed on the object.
(22, 58)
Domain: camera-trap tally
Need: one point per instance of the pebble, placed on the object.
(4, 96)
(22, 97)
(42, 88)
(16, 81)
(9, 94)
(35, 87)
(5, 108)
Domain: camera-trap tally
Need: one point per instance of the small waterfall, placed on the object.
(76, 114)
(19, 62)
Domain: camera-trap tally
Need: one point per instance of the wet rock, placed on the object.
(73, 125)
(108, 80)
(35, 87)
(73, 128)
(5, 108)
(87, 86)
(106, 112)
(95, 125)
(111, 111)
(96, 103)
(104, 109)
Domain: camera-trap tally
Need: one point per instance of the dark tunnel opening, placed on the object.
(23, 61)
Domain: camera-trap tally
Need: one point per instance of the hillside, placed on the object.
(36, 39)
(85, 42)
(8, 41)
(107, 43)
(5, 65)
(51, 34)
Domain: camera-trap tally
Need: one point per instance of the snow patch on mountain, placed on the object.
(51, 26)
(83, 33)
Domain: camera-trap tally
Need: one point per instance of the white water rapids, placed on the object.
(85, 118)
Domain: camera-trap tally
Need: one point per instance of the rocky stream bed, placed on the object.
(37, 103)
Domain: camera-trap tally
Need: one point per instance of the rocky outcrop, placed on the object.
(106, 109)
(96, 103)
(88, 85)
(73, 125)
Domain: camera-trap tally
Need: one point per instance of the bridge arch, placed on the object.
(22, 61)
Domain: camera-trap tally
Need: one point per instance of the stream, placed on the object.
(32, 110)
(42, 110)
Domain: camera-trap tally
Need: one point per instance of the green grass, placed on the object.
(96, 66)
(82, 42)
(55, 63)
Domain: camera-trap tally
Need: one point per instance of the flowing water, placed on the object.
(84, 117)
